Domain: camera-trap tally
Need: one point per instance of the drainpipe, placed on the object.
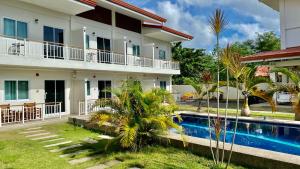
(85, 97)
(84, 43)
(125, 50)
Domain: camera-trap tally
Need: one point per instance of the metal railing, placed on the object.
(93, 105)
(49, 50)
(22, 113)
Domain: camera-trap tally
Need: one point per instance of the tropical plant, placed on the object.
(217, 23)
(139, 117)
(293, 88)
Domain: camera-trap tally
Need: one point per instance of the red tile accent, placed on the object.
(278, 54)
(167, 29)
(89, 2)
(138, 10)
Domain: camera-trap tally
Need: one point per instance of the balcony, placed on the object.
(25, 53)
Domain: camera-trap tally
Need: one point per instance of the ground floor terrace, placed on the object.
(38, 94)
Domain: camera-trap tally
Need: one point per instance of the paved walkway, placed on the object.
(56, 144)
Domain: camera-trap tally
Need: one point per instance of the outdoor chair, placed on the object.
(31, 112)
(8, 115)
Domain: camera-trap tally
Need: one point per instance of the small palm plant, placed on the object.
(139, 117)
(293, 88)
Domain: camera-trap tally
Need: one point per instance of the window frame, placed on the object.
(16, 21)
(17, 90)
(165, 54)
(88, 85)
(136, 53)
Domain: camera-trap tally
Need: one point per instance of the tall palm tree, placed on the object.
(293, 88)
(139, 117)
(217, 24)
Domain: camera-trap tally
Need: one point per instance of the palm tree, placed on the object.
(217, 23)
(293, 88)
(139, 118)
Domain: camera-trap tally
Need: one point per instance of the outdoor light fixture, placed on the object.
(37, 74)
(94, 76)
(129, 41)
(94, 33)
(36, 20)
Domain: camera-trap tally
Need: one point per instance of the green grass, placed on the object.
(231, 112)
(18, 152)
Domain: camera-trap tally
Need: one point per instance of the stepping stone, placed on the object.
(101, 166)
(65, 148)
(112, 163)
(57, 139)
(39, 134)
(35, 128)
(81, 160)
(45, 137)
(106, 137)
(90, 140)
(72, 154)
(57, 144)
(33, 131)
(134, 168)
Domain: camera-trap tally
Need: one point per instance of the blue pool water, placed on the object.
(269, 136)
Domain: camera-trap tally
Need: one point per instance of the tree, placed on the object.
(139, 117)
(217, 23)
(192, 62)
(293, 88)
(267, 42)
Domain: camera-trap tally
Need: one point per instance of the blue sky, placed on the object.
(246, 18)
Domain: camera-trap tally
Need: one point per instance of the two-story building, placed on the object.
(63, 55)
(289, 55)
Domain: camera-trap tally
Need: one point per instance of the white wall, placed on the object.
(290, 25)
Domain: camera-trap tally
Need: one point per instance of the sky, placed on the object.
(246, 18)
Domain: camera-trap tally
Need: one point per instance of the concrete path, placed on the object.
(32, 131)
(106, 165)
(57, 139)
(58, 144)
(39, 134)
(66, 148)
(73, 154)
(45, 137)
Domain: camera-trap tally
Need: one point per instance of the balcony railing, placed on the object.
(48, 50)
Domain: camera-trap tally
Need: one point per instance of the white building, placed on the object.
(289, 55)
(66, 53)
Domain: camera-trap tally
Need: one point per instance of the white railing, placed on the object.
(48, 50)
(23, 113)
(93, 105)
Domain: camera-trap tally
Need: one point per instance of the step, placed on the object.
(45, 137)
(65, 148)
(34, 128)
(57, 144)
(101, 166)
(73, 154)
(106, 165)
(106, 137)
(81, 160)
(57, 139)
(90, 141)
(33, 131)
(39, 134)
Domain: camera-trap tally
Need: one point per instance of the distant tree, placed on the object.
(192, 62)
(267, 42)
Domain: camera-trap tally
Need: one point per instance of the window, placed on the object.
(87, 41)
(278, 77)
(162, 54)
(104, 88)
(53, 35)
(16, 90)
(163, 85)
(15, 28)
(136, 50)
(88, 84)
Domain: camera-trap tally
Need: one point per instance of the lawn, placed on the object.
(268, 115)
(19, 152)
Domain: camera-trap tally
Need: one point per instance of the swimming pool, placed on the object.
(270, 136)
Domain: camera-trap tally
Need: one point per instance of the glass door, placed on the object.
(55, 93)
(104, 56)
(104, 88)
(55, 39)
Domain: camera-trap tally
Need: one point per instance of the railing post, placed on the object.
(60, 110)
(84, 44)
(125, 50)
(0, 117)
(47, 50)
(153, 55)
(67, 52)
(79, 109)
(23, 112)
(43, 111)
(85, 97)
(25, 47)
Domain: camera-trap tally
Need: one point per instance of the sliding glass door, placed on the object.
(54, 40)
(104, 56)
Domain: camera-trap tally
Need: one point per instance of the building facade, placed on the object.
(62, 55)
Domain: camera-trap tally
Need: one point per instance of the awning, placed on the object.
(289, 53)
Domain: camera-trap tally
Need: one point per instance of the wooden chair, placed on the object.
(31, 112)
(5, 113)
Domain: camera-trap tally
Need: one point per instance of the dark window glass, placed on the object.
(128, 23)
(163, 85)
(104, 88)
(88, 83)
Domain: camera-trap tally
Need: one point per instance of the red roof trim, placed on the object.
(167, 29)
(138, 10)
(278, 54)
(89, 2)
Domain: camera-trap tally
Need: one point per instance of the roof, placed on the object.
(167, 29)
(137, 9)
(288, 53)
(89, 2)
(274, 4)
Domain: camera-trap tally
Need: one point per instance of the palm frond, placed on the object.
(217, 22)
(290, 74)
(267, 96)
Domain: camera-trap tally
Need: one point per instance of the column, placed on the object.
(85, 97)
(84, 43)
(125, 50)
(153, 55)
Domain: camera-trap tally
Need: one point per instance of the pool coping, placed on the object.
(253, 119)
(255, 153)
